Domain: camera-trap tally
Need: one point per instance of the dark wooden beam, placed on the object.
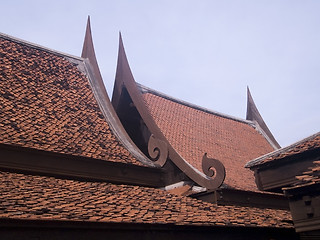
(16, 158)
(244, 198)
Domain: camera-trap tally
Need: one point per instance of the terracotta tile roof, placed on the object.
(47, 104)
(193, 132)
(307, 144)
(47, 198)
(310, 177)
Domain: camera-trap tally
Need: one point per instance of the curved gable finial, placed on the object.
(103, 100)
(159, 147)
(88, 51)
(254, 115)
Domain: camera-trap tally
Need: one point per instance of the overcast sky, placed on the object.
(203, 52)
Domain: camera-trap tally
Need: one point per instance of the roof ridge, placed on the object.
(145, 89)
(38, 46)
(279, 151)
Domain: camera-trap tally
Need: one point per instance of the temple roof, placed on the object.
(33, 197)
(308, 144)
(48, 103)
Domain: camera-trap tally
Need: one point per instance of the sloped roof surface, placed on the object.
(312, 176)
(307, 144)
(193, 132)
(47, 104)
(48, 198)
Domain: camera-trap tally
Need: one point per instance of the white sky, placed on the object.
(203, 52)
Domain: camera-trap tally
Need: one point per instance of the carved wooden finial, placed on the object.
(89, 53)
(158, 150)
(214, 169)
(254, 115)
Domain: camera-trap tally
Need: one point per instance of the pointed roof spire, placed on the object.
(88, 51)
(123, 73)
(254, 115)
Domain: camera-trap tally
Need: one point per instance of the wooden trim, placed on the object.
(92, 70)
(253, 114)
(29, 160)
(244, 198)
(274, 177)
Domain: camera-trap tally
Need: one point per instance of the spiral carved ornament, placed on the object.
(158, 150)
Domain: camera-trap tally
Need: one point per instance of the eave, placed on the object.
(28, 160)
(225, 196)
(274, 176)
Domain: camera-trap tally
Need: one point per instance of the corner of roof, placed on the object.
(258, 161)
(254, 115)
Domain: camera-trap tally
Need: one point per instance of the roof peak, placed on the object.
(257, 161)
(88, 51)
(253, 114)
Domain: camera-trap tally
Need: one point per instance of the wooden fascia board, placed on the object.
(280, 174)
(27, 160)
(244, 198)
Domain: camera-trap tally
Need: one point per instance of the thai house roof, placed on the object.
(54, 106)
(191, 131)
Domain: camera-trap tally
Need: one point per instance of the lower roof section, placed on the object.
(43, 198)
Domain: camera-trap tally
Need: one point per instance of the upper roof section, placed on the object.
(191, 131)
(308, 144)
(48, 103)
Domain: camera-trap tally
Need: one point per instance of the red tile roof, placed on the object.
(307, 144)
(47, 104)
(310, 177)
(193, 132)
(48, 198)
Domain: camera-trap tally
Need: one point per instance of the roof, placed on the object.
(312, 176)
(34, 197)
(193, 131)
(308, 144)
(189, 131)
(47, 103)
